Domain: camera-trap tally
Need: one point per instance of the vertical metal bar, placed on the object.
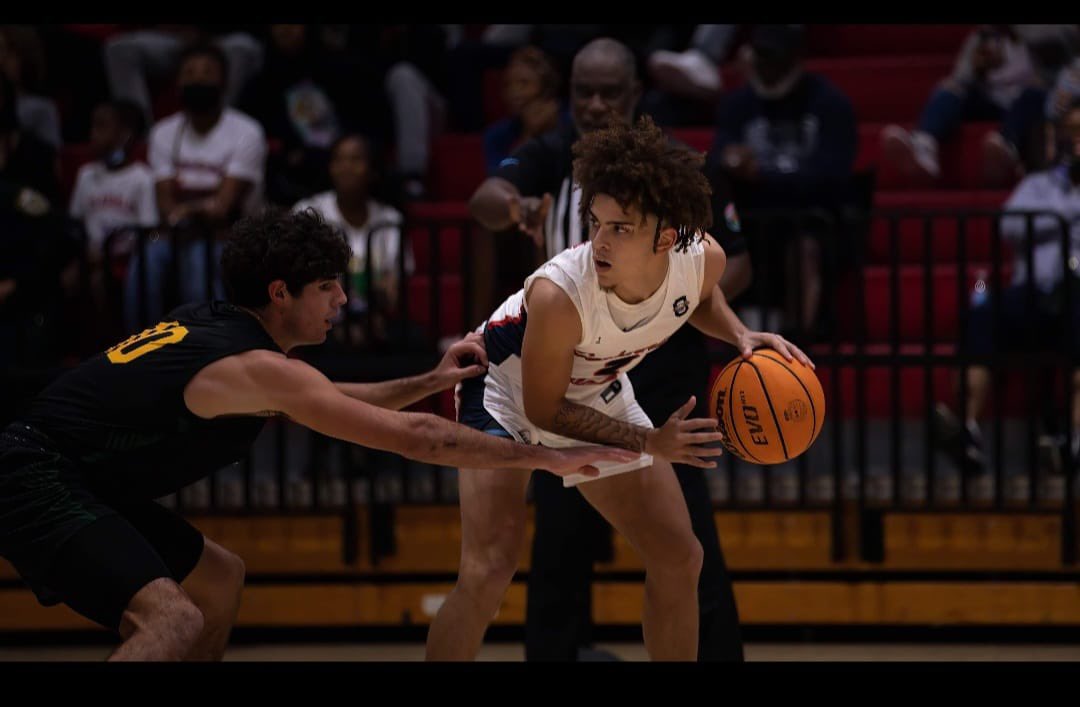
(1068, 518)
(960, 357)
(280, 454)
(436, 283)
(140, 281)
(249, 484)
(994, 287)
(466, 273)
(895, 456)
(928, 371)
(860, 374)
(1030, 399)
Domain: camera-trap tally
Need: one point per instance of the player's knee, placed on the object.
(229, 572)
(234, 572)
(164, 611)
(682, 562)
(489, 572)
(232, 584)
(695, 557)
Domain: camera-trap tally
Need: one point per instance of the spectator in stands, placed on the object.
(113, 192)
(1055, 190)
(1057, 83)
(76, 73)
(788, 140)
(350, 207)
(27, 159)
(36, 257)
(531, 93)
(409, 62)
(684, 64)
(23, 62)
(995, 78)
(208, 163)
(133, 59)
(301, 99)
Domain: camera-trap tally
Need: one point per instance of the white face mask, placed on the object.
(778, 90)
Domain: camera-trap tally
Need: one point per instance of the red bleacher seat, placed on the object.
(457, 210)
(941, 199)
(881, 89)
(878, 293)
(944, 235)
(72, 157)
(494, 107)
(699, 138)
(884, 40)
(960, 157)
(450, 248)
(450, 303)
(457, 165)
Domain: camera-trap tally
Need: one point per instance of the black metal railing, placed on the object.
(876, 343)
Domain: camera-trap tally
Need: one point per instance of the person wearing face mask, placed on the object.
(788, 140)
(208, 162)
(133, 59)
(1053, 325)
(112, 192)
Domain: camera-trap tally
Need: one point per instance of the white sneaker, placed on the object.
(689, 73)
(915, 154)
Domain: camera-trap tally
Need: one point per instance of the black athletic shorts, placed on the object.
(72, 546)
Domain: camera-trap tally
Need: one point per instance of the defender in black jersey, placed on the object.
(168, 406)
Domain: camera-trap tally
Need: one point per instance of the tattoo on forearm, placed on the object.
(584, 423)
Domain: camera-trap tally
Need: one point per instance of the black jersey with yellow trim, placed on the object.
(121, 417)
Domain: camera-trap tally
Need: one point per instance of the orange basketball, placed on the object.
(770, 410)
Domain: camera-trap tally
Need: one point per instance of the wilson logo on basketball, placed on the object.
(795, 411)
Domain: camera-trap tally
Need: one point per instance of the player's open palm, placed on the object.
(683, 441)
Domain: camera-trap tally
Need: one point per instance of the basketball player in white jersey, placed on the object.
(558, 353)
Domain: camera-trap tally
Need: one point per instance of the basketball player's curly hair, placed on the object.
(639, 166)
(298, 248)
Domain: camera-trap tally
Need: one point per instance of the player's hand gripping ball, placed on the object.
(770, 409)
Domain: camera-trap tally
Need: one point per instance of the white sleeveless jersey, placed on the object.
(602, 356)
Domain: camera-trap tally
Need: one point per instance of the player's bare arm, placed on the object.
(465, 359)
(258, 381)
